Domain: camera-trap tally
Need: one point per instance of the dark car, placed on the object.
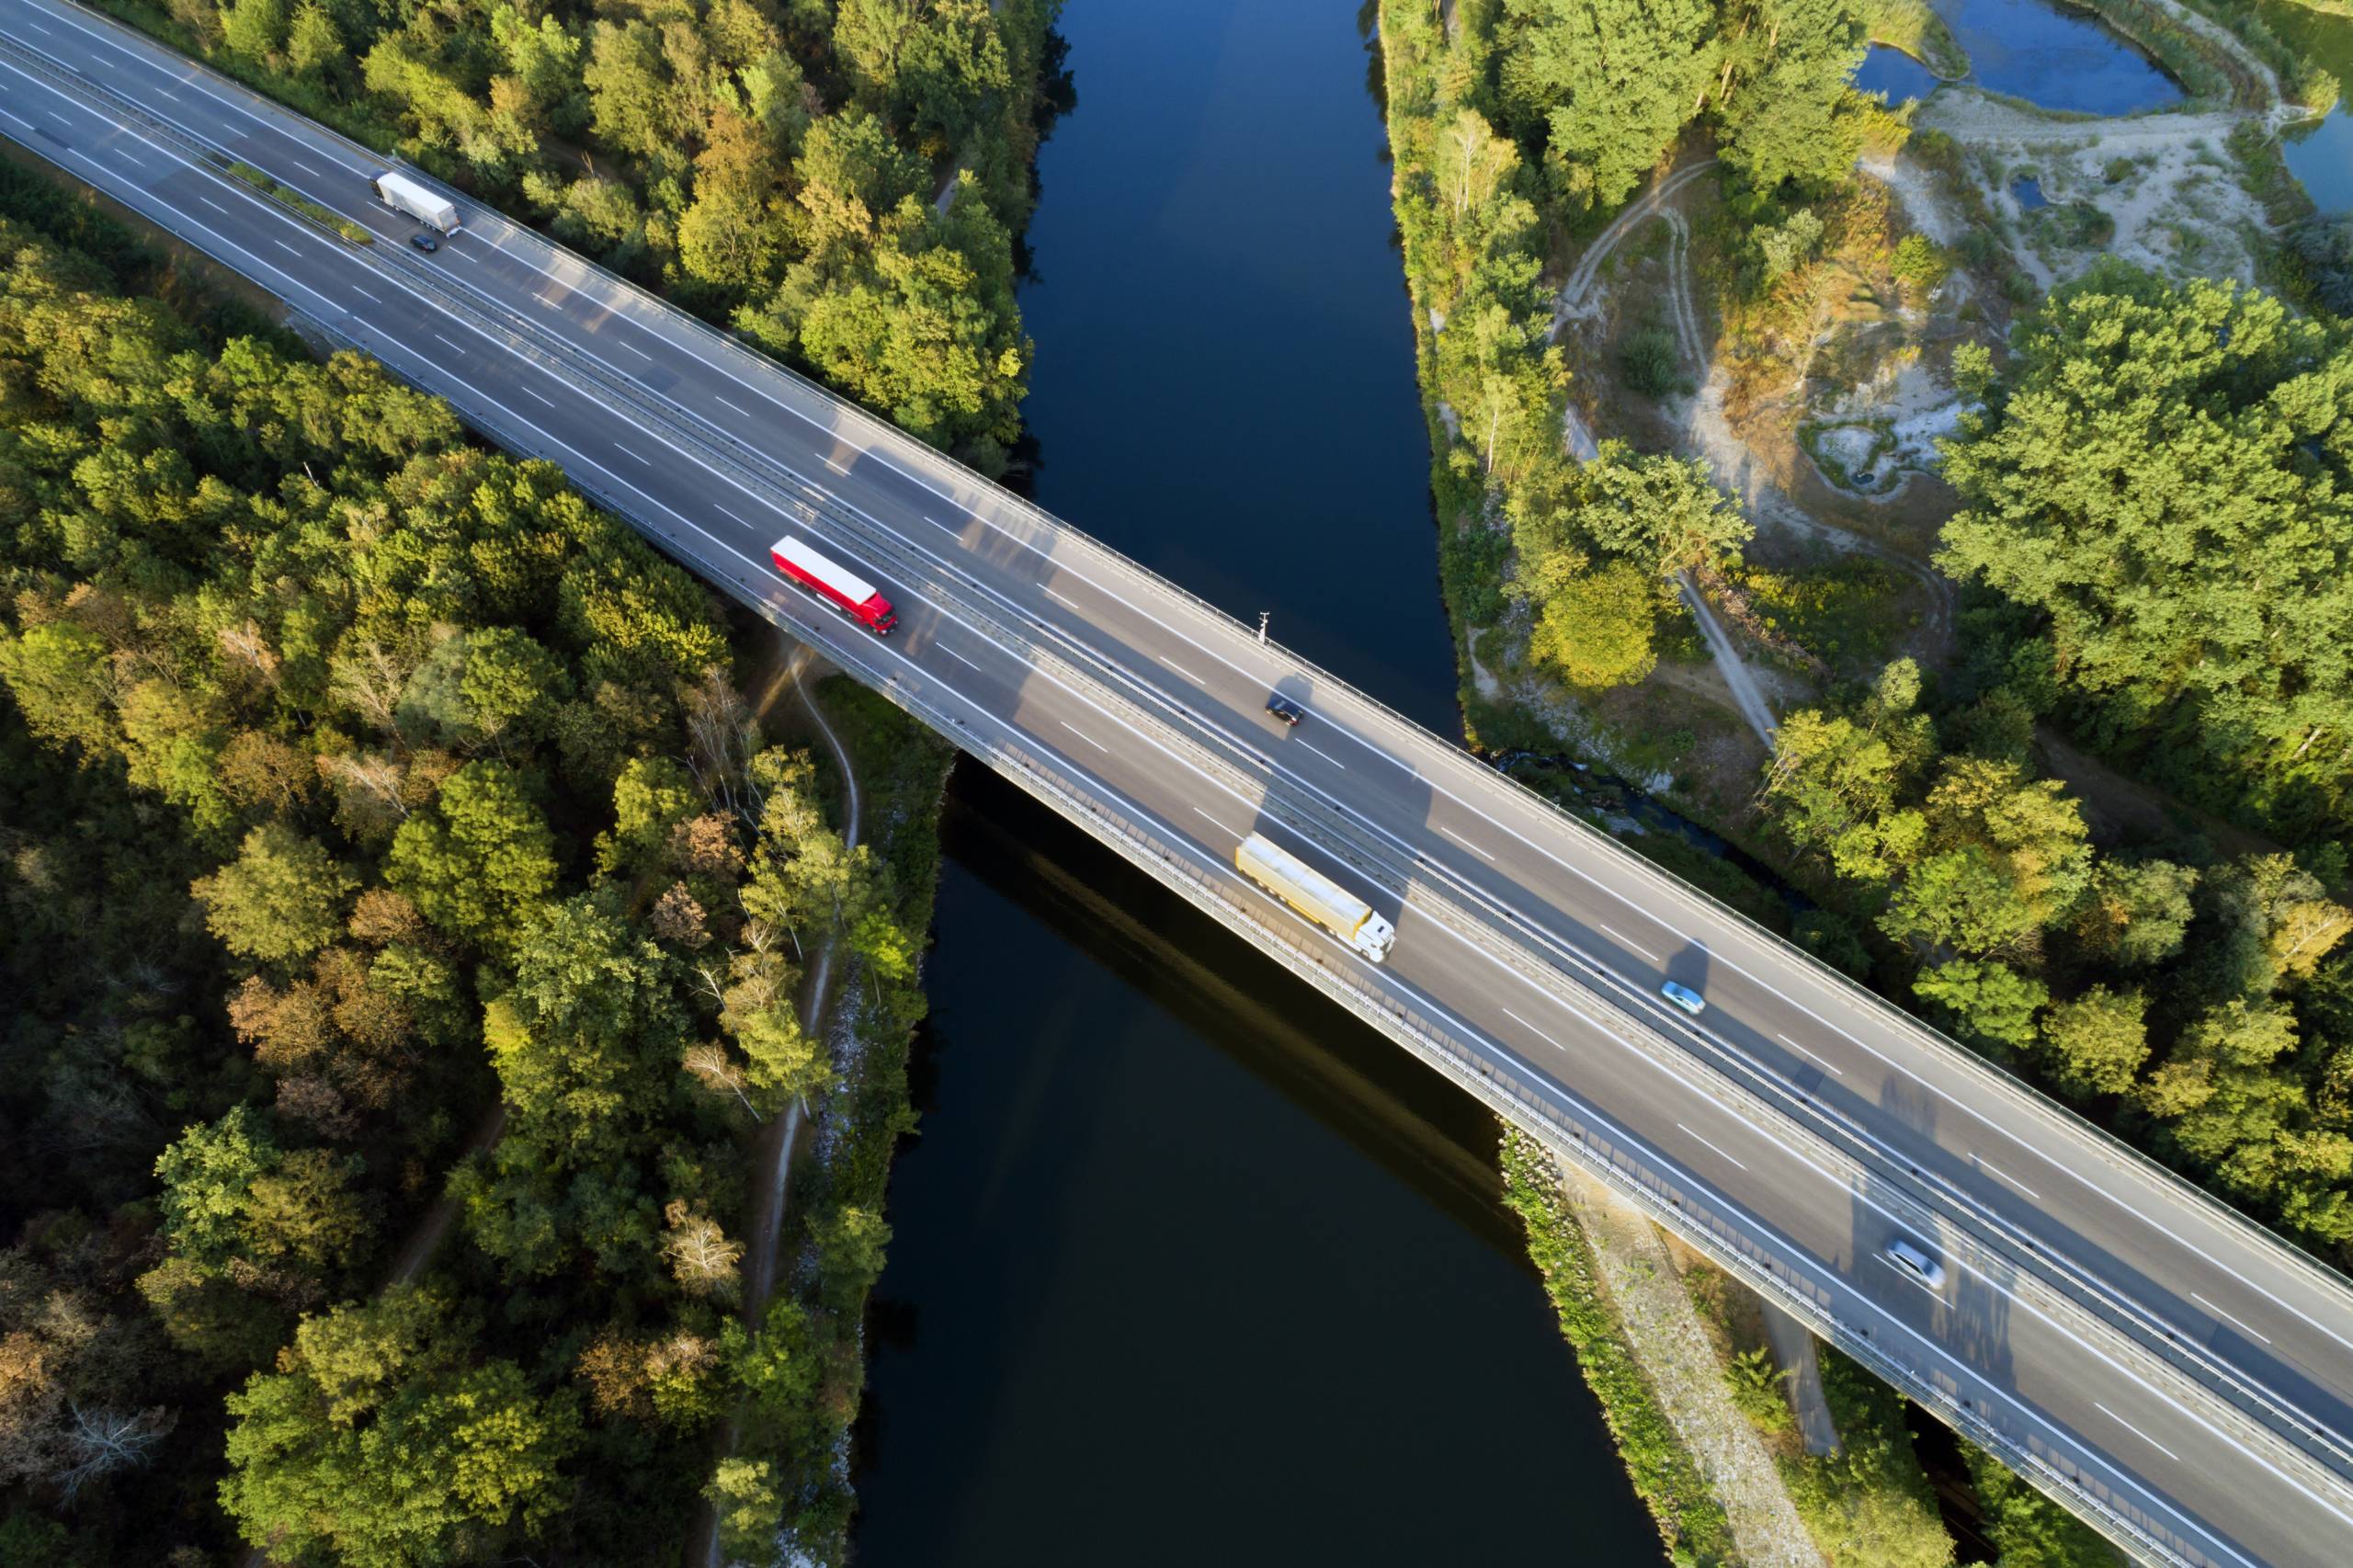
(425, 240)
(1283, 708)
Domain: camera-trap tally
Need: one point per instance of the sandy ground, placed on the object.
(2166, 181)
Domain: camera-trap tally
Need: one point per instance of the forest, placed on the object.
(842, 181)
(1515, 127)
(386, 831)
(2158, 532)
(2154, 547)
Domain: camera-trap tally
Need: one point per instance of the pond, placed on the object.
(2051, 56)
(1895, 73)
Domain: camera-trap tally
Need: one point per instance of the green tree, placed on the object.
(384, 1441)
(2096, 1043)
(1609, 85)
(478, 859)
(254, 29)
(1661, 512)
(2164, 480)
(313, 43)
(1594, 632)
(229, 1191)
(2030, 828)
(583, 1040)
(734, 233)
(59, 674)
(652, 796)
(1794, 114)
(208, 1177)
(750, 1508)
(1839, 784)
(1988, 1003)
(280, 900)
(633, 103)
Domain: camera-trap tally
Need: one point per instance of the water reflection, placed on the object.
(2057, 59)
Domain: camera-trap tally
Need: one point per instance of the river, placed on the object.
(1190, 1265)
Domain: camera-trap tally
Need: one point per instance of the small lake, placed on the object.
(1895, 73)
(2051, 56)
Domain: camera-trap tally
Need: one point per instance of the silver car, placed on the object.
(1914, 1260)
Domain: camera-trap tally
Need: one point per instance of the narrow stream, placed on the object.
(1190, 1265)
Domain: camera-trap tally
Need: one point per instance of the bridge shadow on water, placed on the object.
(1189, 1264)
(1358, 1083)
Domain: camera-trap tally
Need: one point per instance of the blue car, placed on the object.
(1683, 997)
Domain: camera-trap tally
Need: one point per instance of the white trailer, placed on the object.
(401, 194)
(1314, 895)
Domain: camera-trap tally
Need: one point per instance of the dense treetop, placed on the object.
(841, 178)
(353, 781)
(2163, 478)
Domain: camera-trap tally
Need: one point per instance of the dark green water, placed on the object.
(1189, 1267)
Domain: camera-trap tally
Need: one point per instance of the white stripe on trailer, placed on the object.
(831, 573)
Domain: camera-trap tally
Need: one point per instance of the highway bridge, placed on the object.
(2175, 1374)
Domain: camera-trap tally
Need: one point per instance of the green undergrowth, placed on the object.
(1870, 1504)
(2303, 79)
(84, 224)
(1663, 1472)
(2027, 1529)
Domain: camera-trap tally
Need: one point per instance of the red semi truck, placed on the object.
(834, 583)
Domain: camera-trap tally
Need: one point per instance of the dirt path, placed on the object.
(433, 1226)
(1576, 294)
(1681, 1364)
(1708, 431)
(1746, 694)
(1709, 434)
(779, 1139)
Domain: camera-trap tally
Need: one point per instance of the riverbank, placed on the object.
(822, 1252)
(1713, 1496)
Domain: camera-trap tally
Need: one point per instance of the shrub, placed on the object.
(1648, 363)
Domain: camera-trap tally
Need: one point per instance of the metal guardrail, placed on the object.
(1425, 1040)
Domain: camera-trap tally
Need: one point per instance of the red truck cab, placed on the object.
(834, 583)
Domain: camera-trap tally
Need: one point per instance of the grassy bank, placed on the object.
(1689, 1519)
(1914, 27)
(2208, 69)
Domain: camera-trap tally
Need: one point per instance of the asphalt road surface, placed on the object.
(2178, 1373)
